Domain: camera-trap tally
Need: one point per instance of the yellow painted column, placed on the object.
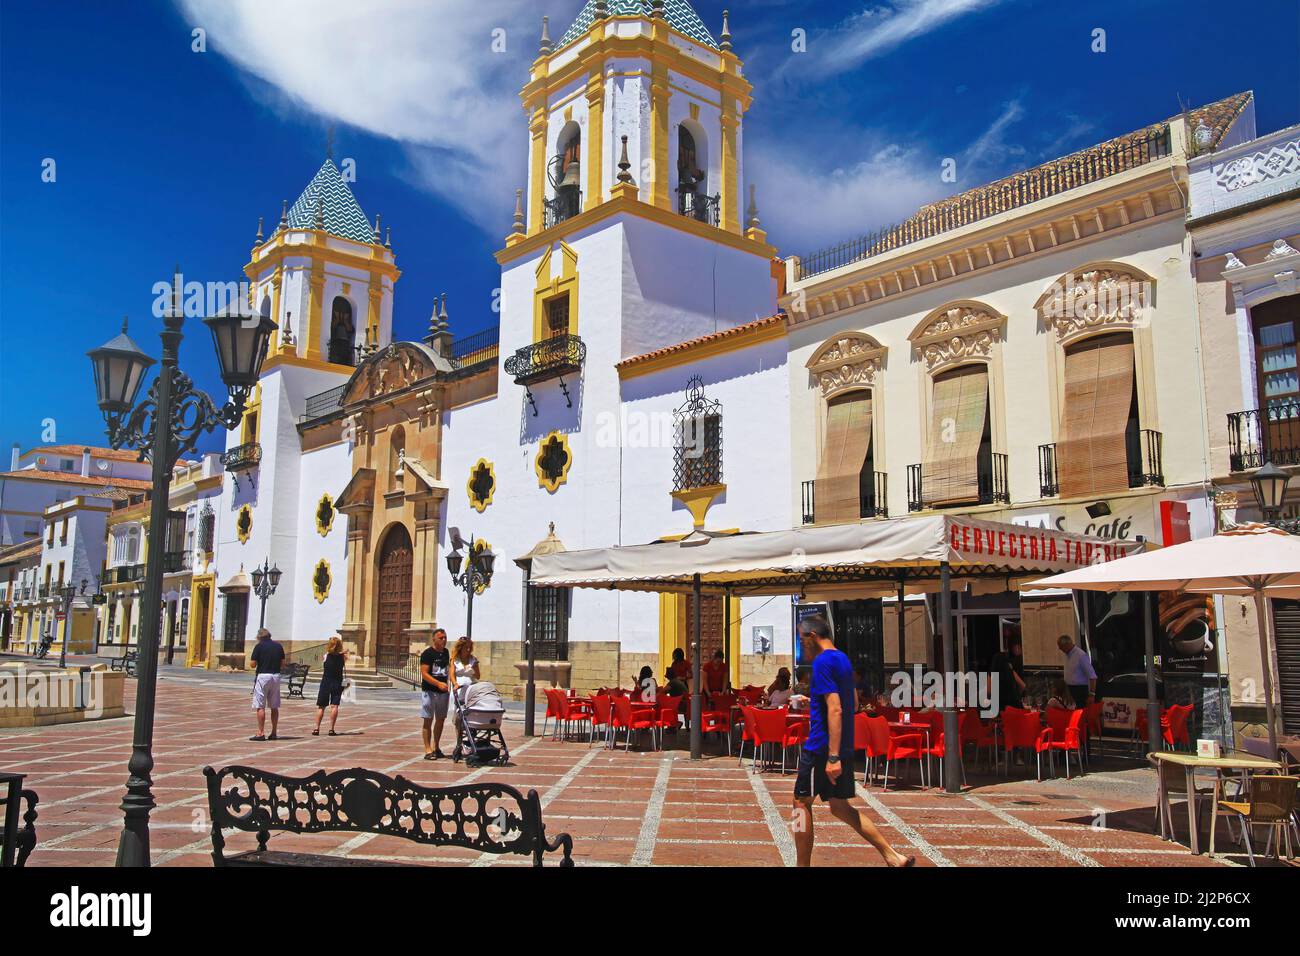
(595, 157)
(730, 191)
(376, 291)
(659, 95)
(277, 279)
(315, 307)
(536, 168)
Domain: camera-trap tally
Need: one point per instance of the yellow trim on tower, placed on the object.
(595, 148)
(659, 96)
(537, 126)
(549, 289)
(252, 414)
(315, 308)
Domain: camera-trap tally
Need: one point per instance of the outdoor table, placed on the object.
(1259, 747)
(1190, 762)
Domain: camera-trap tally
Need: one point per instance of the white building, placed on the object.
(50, 474)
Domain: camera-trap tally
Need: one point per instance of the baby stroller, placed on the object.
(479, 713)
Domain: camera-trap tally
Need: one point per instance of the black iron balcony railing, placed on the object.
(243, 457)
(984, 202)
(177, 561)
(873, 500)
(699, 207)
(43, 592)
(477, 349)
(566, 204)
(991, 488)
(555, 357)
(322, 404)
(1146, 460)
(124, 574)
(1258, 435)
(1049, 483)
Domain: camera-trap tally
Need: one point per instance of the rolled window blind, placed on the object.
(950, 472)
(844, 453)
(1092, 453)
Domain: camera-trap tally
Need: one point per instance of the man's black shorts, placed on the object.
(812, 780)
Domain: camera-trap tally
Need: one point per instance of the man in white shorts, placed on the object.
(268, 655)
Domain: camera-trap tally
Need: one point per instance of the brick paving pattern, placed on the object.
(639, 808)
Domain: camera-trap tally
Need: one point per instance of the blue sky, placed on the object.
(166, 156)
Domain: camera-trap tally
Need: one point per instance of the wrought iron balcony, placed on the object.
(991, 489)
(481, 348)
(1146, 460)
(566, 204)
(124, 574)
(176, 561)
(1257, 436)
(542, 361)
(1049, 482)
(699, 207)
(873, 501)
(243, 457)
(319, 405)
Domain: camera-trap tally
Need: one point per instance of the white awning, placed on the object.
(872, 554)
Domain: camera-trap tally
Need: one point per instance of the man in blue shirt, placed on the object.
(829, 747)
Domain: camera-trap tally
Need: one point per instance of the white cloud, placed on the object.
(877, 30)
(422, 74)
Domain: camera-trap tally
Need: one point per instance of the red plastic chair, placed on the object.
(1071, 738)
(872, 735)
(938, 744)
(601, 708)
(1174, 725)
(552, 710)
(1020, 731)
(1043, 745)
(905, 746)
(767, 727)
(971, 730)
(717, 722)
(1093, 729)
(796, 733)
(570, 715)
(627, 720)
(1058, 718)
(746, 725)
(668, 713)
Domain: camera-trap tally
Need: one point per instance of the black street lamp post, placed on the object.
(477, 574)
(68, 592)
(265, 580)
(163, 426)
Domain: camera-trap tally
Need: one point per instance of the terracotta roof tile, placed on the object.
(111, 454)
(703, 340)
(73, 478)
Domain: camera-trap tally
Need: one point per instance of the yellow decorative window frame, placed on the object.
(244, 524)
(251, 424)
(321, 581)
(324, 527)
(543, 479)
(480, 504)
(549, 289)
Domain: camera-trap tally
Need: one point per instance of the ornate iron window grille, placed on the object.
(548, 623)
(553, 459)
(482, 484)
(697, 425)
(697, 206)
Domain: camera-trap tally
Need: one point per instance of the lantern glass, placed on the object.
(454, 559)
(485, 559)
(119, 367)
(258, 576)
(1269, 484)
(241, 340)
(274, 575)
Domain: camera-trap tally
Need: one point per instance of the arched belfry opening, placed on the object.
(565, 174)
(342, 351)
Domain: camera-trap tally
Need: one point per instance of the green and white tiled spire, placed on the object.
(328, 197)
(680, 14)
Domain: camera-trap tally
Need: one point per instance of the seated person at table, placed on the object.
(715, 675)
(645, 689)
(1061, 696)
(802, 677)
(778, 692)
(861, 686)
(677, 680)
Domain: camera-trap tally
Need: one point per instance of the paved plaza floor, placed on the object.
(638, 808)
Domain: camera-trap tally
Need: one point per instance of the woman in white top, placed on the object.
(465, 663)
(646, 689)
(779, 691)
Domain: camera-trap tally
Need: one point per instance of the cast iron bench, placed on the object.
(125, 662)
(490, 817)
(16, 846)
(294, 677)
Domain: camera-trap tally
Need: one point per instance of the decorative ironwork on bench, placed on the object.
(1259, 435)
(488, 817)
(555, 357)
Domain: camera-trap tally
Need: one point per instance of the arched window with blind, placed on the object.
(1099, 448)
(958, 462)
(845, 468)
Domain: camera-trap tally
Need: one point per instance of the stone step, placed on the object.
(370, 680)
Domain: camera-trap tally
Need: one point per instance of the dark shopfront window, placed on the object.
(859, 627)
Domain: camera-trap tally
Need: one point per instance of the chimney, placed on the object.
(13, 458)
(85, 462)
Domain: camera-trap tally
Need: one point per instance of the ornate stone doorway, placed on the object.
(394, 611)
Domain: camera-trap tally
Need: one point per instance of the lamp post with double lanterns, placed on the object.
(265, 580)
(478, 573)
(69, 593)
(164, 425)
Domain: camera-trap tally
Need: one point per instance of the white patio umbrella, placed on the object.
(1253, 559)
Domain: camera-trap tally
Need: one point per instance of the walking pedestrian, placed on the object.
(829, 746)
(1079, 674)
(268, 656)
(435, 692)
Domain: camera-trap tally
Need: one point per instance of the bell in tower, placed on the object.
(565, 174)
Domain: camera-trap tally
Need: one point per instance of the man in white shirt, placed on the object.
(1079, 675)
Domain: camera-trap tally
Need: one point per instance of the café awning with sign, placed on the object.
(872, 554)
